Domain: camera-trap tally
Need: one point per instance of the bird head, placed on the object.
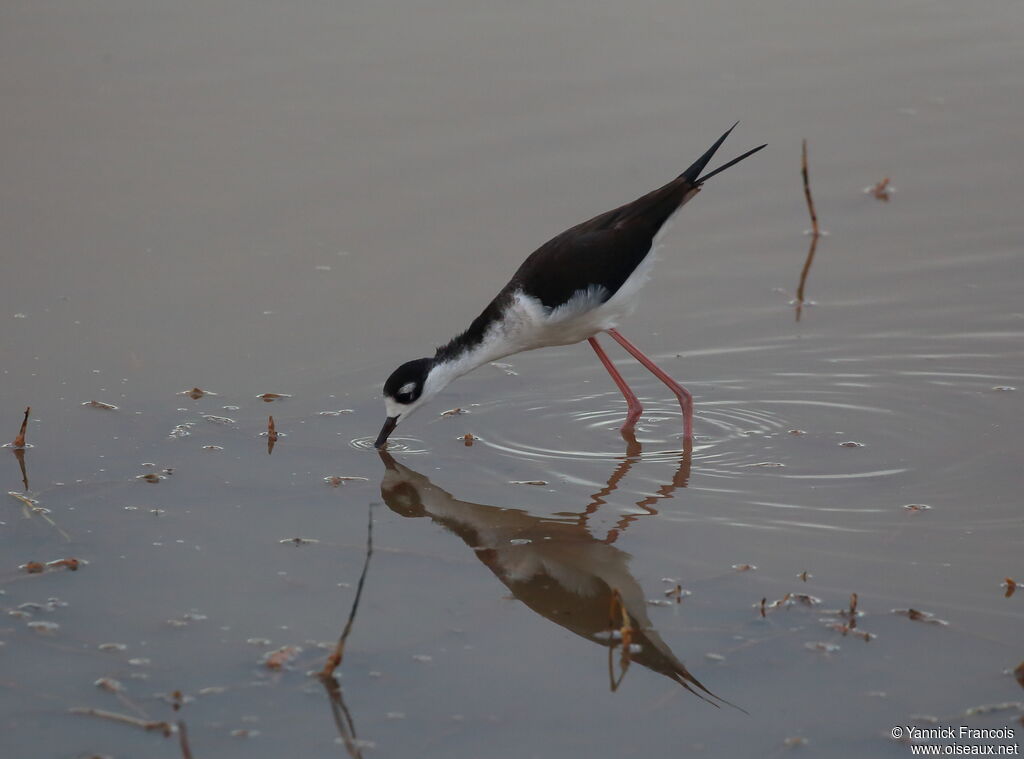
(409, 387)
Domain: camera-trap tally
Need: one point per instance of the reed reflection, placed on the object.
(555, 565)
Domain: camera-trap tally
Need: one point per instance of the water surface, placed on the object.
(257, 198)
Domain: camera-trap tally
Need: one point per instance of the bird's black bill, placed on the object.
(387, 429)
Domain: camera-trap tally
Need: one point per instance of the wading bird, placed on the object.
(576, 285)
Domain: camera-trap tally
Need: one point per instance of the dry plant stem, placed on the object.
(334, 660)
(339, 710)
(815, 231)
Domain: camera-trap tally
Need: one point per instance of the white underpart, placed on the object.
(527, 324)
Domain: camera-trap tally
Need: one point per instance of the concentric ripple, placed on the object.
(405, 445)
(729, 435)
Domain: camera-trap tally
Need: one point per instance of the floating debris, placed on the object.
(677, 593)
(150, 477)
(196, 393)
(766, 465)
(917, 507)
(454, 412)
(528, 482)
(271, 435)
(1004, 388)
(805, 576)
(921, 616)
(336, 480)
(100, 405)
(219, 419)
(1019, 674)
(38, 567)
(881, 190)
(339, 412)
(109, 684)
(299, 541)
(277, 659)
(795, 741)
(182, 430)
(1010, 587)
(851, 444)
(271, 397)
(744, 567)
(796, 432)
(112, 647)
(468, 439)
(822, 647)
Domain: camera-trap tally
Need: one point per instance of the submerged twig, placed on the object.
(32, 508)
(815, 231)
(186, 750)
(148, 725)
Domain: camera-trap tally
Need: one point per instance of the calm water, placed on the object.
(256, 197)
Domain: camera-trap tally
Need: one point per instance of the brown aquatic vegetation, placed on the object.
(1010, 587)
(468, 439)
(270, 397)
(917, 615)
(37, 567)
(815, 231)
(336, 480)
(882, 191)
(277, 659)
(19, 441)
(196, 393)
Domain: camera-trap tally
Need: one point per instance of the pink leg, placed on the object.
(632, 402)
(680, 392)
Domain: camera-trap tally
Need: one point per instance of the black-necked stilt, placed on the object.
(580, 283)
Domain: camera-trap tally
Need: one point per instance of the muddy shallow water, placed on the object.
(260, 198)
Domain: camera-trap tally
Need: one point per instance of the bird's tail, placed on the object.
(692, 174)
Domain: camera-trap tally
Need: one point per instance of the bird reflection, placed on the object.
(555, 565)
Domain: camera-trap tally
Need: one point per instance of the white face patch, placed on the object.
(407, 388)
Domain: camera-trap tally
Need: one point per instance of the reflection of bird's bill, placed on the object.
(389, 426)
(553, 565)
